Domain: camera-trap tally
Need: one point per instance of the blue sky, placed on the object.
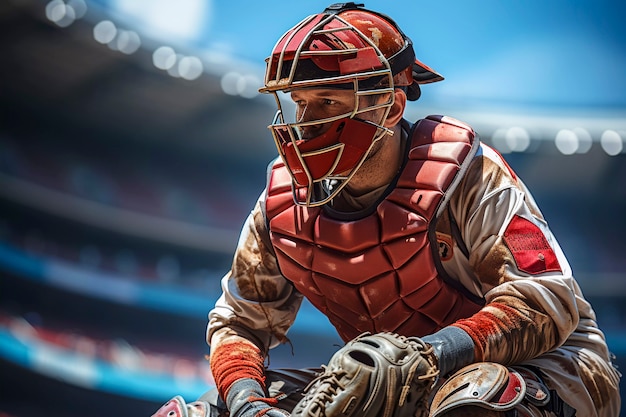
(551, 53)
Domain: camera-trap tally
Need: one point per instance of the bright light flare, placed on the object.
(513, 139)
(105, 31)
(612, 142)
(63, 13)
(236, 84)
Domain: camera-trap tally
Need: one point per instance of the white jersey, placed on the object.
(525, 279)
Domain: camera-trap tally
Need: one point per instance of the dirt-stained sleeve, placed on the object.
(515, 263)
(257, 301)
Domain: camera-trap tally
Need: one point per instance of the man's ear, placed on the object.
(397, 109)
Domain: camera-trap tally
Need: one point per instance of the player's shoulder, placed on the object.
(491, 158)
(430, 122)
(484, 151)
(488, 157)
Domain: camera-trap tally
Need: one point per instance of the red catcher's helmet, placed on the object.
(345, 47)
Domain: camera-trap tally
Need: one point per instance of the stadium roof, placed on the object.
(56, 78)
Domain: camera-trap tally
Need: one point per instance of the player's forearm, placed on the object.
(234, 358)
(508, 332)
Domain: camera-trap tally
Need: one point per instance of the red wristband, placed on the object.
(233, 361)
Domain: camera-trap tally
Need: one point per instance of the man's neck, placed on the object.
(381, 167)
(373, 177)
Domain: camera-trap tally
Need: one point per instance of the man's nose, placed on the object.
(306, 114)
(311, 131)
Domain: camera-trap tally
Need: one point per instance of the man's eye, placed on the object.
(329, 102)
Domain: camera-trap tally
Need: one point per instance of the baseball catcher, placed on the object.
(420, 244)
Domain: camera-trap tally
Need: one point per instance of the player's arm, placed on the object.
(253, 314)
(516, 265)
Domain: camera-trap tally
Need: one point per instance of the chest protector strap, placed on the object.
(380, 272)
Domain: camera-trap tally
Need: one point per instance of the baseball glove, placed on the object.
(374, 375)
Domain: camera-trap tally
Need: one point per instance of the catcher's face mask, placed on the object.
(327, 138)
(345, 48)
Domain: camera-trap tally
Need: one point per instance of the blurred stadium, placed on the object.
(133, 144)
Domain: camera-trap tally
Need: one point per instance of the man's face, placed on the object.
(320, 103)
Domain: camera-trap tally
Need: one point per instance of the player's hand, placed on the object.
(260, 408)
(247, 399)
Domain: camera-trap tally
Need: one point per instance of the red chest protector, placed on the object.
(380, 272)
